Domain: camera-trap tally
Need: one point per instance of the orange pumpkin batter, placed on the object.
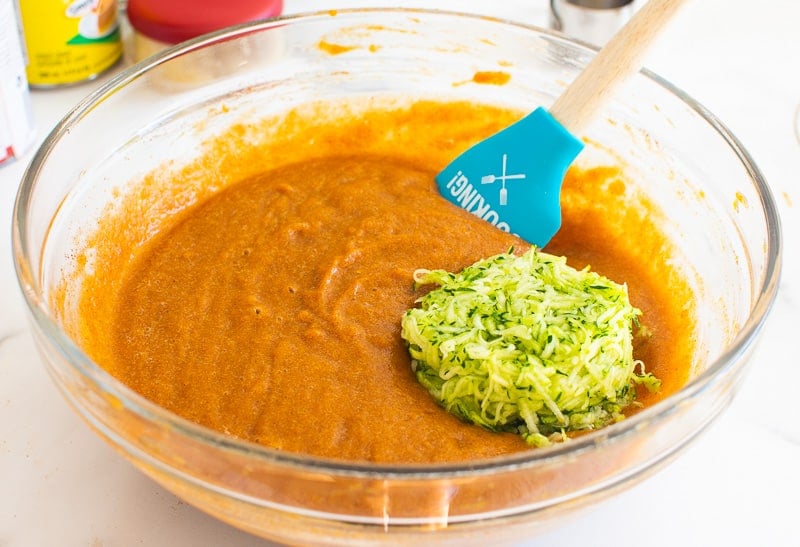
(270, 310)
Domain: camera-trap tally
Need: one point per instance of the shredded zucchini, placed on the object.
(526, 344)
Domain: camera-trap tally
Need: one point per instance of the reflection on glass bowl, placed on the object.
(797, 123)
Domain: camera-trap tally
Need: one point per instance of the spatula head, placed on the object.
(513, 178)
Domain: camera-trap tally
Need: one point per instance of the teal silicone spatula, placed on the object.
(513, 178)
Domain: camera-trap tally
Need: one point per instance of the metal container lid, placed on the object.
(600, 4)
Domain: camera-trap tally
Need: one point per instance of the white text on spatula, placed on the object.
(470, 199)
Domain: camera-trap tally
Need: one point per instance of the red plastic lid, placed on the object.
(173, 21)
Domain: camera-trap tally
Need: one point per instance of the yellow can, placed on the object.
(69, 41)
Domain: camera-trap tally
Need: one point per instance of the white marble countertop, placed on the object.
(738, 485)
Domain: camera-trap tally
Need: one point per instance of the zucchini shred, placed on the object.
(526, 344)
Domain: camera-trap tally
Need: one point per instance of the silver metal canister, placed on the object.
(593, 21)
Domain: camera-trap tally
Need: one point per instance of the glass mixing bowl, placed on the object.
(714, 205)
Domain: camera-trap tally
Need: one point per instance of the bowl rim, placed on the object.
(29, 282)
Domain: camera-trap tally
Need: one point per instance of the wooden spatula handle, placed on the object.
(621, 57)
